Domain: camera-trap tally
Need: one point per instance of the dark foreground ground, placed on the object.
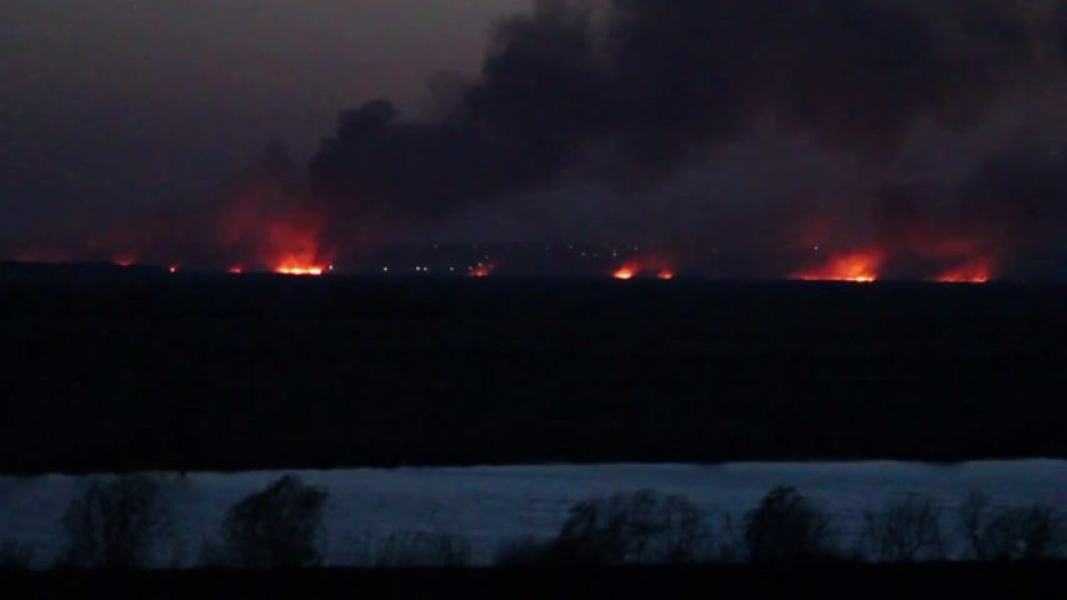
(941, 580)
(108, 369)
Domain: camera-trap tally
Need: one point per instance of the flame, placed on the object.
(635, 267)
(297, 268)
(978, 271)
(855, 267)
(645, 265)
(294, 242)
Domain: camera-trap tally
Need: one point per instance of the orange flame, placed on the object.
(646, 265)
(297, 268)
(855, 267)
(295, 244)
(974, 272)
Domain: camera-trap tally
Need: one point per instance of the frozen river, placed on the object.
(490, 504)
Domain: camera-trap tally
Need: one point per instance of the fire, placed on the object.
(646, 265)
(855, 267)
(296, 268)
(975, 272)
(294, 241)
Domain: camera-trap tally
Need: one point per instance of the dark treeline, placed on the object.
(130, 371)
(128, 522)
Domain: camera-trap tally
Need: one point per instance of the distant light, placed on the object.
(173, 269)
(624, 274)
(385, 269)
(235, 270)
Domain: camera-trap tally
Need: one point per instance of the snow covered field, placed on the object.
(489, 504)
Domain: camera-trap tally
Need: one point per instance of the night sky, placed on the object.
(692, 124)
(115, 105)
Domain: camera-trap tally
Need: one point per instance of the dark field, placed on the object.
(106, 369)
(1003, 581)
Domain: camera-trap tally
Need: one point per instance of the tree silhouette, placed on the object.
(279, 526)
(787, 527)
(115, 524)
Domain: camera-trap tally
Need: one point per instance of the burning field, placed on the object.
(630, 102)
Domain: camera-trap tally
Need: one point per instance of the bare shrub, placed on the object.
(1036, 532)
(422, 549)
(907, 530)
(15, 555)
(277, 527)
(787, 527)
(641, 527)
(116, 523)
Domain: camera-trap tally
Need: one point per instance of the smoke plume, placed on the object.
(630, 96)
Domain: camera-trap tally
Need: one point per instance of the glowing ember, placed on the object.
(857, 267)
(977, 272)
(481, 271)
(624, 274)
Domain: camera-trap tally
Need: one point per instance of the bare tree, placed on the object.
(1036, 532)
(787, 527)
(279, 526)
(642, 527)
(116, 523)
(907, 530)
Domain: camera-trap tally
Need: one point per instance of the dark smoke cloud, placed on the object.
(628, 98)
(1015, 202)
